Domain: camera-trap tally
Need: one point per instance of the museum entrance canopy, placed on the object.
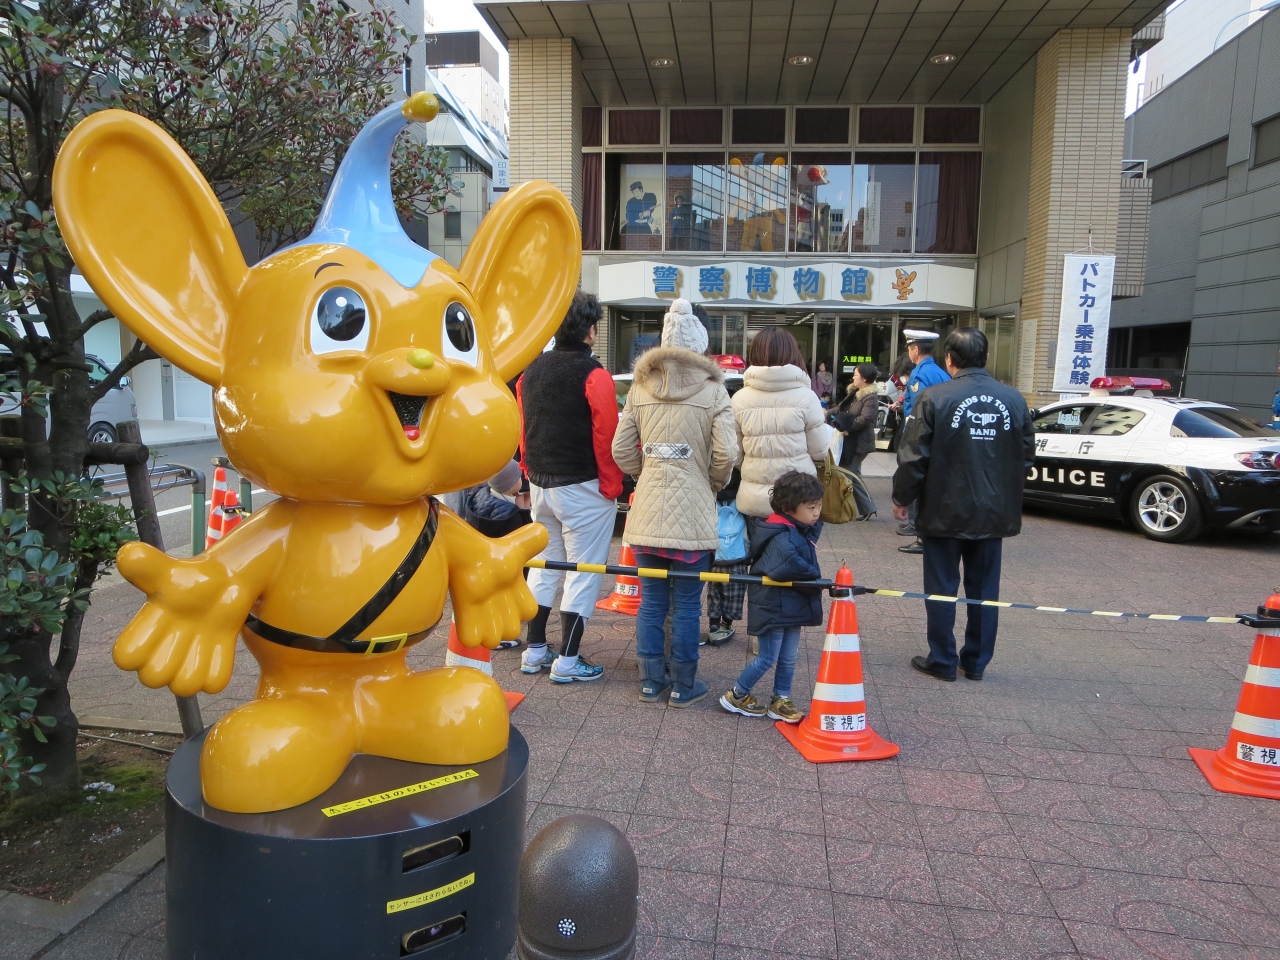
(806, 51)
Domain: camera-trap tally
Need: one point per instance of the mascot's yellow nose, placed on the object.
(422, 359)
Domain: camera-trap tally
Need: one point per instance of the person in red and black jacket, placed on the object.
(569, 412)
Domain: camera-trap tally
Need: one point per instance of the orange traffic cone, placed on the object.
(213, 533)
(230, 513)
(457, 655)
(836, 727)
(626, 589)
(1250, 762)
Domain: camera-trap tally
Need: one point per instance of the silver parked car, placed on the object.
(118, 404)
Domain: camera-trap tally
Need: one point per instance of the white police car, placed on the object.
(1171, 467)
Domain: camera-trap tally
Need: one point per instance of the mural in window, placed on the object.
(821, 190)
(633, 201)
(758, 198)
(883, 186)
(695, 201)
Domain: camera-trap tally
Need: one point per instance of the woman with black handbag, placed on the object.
(855, 417)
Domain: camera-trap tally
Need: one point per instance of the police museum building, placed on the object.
(843, 168)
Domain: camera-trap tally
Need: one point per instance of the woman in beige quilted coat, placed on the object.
(780, 422)
(676, 435)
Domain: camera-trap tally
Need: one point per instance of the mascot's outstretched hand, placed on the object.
(184, 637)
(486, 580)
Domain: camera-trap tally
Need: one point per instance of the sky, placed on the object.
(445, 15)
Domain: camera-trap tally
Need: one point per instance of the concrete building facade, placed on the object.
(468, 64)
(1211, 303)
(841, 167)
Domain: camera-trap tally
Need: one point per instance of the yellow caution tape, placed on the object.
(431, 896)
(399, 793)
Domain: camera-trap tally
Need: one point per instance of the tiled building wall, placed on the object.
(1077, 142)
(1132, 224)
(1214, 256)
(1006, 171)
(546, 132)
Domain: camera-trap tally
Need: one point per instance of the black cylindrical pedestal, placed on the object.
(427, 871)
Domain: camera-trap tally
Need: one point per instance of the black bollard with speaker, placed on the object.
(579, 885)
(394, 860)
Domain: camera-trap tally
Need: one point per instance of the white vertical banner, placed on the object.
(1083, 321)
(871, 216)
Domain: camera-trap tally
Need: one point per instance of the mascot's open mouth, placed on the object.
(409, 409)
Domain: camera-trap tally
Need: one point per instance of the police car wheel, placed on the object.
(1165, 508)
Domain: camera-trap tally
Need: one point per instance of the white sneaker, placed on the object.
(535, 658)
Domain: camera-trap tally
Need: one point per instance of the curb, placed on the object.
(61, 918)
(133, 726)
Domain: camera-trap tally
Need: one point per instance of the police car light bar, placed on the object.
(1106, 385)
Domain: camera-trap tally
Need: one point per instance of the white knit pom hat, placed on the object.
(680, 328)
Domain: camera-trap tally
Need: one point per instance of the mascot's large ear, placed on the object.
(522, 267)
(151, 238)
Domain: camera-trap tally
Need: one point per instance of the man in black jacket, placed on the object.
(965, 454)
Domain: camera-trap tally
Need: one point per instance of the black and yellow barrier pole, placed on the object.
(829, 585)
(658, 573)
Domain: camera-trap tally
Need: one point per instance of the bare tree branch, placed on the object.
(139, 354)
(91, 321)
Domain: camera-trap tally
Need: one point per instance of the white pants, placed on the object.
(579, 524)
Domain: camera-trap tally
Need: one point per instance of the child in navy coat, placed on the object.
(783, 547)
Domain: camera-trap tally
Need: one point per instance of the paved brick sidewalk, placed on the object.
(1049, 811)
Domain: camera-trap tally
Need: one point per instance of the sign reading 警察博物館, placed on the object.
(1083, 322)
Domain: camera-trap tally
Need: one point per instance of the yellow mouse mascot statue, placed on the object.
(356, 375)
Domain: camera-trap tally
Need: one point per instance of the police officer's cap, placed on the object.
(920, 336)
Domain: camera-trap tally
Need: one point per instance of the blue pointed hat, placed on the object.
(360, 211)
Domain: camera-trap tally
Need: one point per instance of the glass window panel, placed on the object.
(701, 126)
(1064, 420)
(1266, 144)
(695, 201)
(1114, 422)
(822, 125)
(947, 198)
(756, 185)
(883, 184)
(886, 124)
(821, 189)
(952, 124)
(591, 122)
(1218, 157)
(760, 125)
(627, 127)
(638, 331)
(633, 201)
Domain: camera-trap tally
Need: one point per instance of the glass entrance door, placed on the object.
(824, 348)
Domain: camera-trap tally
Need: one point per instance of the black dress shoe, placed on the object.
(914, 546)
(972, 675)
(924, 666)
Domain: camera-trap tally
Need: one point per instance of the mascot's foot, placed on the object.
(273, 754)
(448, 716)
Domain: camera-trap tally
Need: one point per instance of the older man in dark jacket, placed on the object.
(965, 454)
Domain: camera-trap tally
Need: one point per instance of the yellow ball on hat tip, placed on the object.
(422, 107)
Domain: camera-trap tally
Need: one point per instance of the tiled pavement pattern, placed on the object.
(1049, 811)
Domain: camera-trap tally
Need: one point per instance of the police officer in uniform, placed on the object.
(926, 373)
(965, 454)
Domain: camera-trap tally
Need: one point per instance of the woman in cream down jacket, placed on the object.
(781, 424)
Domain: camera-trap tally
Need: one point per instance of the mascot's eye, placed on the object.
(459, 340)
(340, 322)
